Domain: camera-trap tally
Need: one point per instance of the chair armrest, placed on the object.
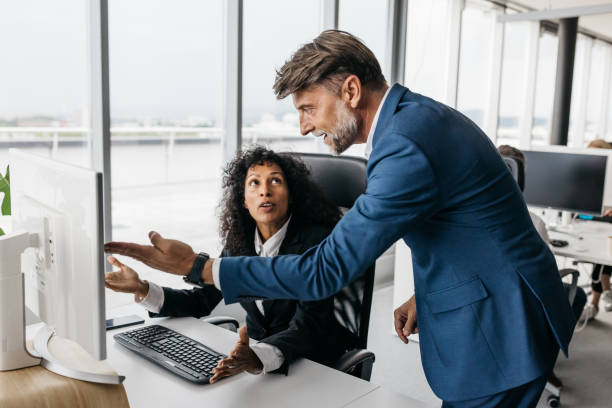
(574, 285)
(351, 359)
(219, 320)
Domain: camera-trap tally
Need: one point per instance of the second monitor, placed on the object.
(565, 181)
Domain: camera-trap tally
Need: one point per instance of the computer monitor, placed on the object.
(571, 181)
(64, 275)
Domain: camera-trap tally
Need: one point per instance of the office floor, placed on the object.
(587, 375)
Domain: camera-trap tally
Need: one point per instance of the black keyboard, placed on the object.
(179, 354)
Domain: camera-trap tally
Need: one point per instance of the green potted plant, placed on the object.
(5, 206)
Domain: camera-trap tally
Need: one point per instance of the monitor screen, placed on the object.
(64, 275)
(565, 181)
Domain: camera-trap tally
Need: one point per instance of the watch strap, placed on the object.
(195, 275)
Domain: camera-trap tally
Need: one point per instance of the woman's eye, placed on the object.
(253, 183)
(277, 181)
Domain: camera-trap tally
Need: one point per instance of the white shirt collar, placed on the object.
(273, 244)
(368, 149)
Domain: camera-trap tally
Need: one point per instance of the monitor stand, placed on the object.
(13, 351)
(41, 346)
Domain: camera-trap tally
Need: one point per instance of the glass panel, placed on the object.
(609, 120)
(427, 47)
(578, 89)
(545, 89)
(478, 23)
(43, 80)
(367, 20)
(166, 64)
(513, 82)
(595, 92)
(267, 46)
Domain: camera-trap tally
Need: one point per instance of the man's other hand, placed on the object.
(242, 358)
(168, 255)
(405, 318)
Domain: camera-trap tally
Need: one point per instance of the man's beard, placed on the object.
(346, 130)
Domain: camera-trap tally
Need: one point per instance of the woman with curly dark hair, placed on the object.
(307, 202)
(270, 207)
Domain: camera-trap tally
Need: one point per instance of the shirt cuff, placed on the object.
(216, 267)
(154, 300)
(270, 356)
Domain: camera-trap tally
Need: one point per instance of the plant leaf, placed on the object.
(5, 208)
(1, 232)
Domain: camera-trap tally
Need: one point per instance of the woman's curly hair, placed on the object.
(307, 203)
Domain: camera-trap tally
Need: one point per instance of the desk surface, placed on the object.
(382, 397)
(593, 247)
(308, 383)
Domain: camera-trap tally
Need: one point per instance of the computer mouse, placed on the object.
(558, 243)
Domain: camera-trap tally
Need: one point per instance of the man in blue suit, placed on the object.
(489, 304)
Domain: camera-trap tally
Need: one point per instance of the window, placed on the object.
(513, 82)
(475, 61)
(580, 82)
(166, 61)
(366, 20)
(43, 102)
(545, 88)
(266, 46)
(427, 47)
(595, 91)
(609, 114)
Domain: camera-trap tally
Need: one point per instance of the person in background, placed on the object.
(540, 226)
(270, 206)
(600, 277)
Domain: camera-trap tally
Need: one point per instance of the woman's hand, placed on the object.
(125, 280)
(242, 358)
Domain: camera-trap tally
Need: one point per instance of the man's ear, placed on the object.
(351, 91)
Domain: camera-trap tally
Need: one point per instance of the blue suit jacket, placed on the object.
(491, 307)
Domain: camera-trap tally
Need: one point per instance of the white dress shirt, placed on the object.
(368, 149)
(270, 356)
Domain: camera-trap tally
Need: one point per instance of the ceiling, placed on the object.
(595, 24)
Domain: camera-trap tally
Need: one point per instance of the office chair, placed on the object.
(517, 169)
(342, 179)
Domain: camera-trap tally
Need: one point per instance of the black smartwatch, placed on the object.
(195, 275)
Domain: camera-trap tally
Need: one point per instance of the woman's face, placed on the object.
(266, 195)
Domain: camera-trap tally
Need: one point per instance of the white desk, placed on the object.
(308, 383)
(382, 397)
(593, 247)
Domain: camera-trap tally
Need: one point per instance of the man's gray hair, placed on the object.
(327, 61)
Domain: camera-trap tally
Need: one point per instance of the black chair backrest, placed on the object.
(343, 179)
(517, 169)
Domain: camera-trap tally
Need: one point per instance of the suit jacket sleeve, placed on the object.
(196, 302)
(401, 192)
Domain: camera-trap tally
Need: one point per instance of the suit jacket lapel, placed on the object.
(291, 244)
(387, 111)
(253, 310)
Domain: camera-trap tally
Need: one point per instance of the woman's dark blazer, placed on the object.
(298, 329)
